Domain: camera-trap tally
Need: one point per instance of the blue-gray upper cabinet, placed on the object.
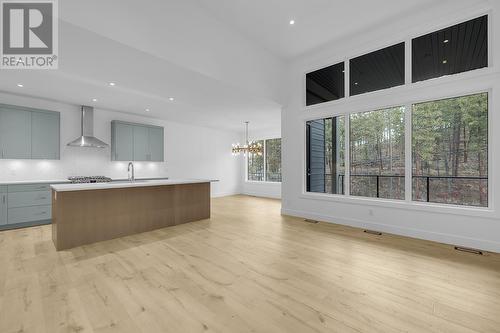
(141, 143)
(15, 133)
(29, 133)
(136, 142)
(45, 135)
(122, 141)
(156, 139)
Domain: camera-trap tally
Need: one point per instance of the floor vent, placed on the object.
(372, 232)
(311, 221)
(469, 250)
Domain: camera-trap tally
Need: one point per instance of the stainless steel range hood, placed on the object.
(87, 138)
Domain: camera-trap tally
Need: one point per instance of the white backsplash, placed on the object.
(76, 161)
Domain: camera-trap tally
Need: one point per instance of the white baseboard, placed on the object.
(224, 194)
(262, 195)
(481, 244)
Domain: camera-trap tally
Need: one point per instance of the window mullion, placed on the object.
(265, 160)
(347, 179)
(408, 153)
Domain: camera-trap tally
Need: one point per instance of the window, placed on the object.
(377, 70)
(324, 85)
(273, 160)
(266, 167)
(450, 151)
(377, 153)
(256, 165)
(326, 155)
(462, 47)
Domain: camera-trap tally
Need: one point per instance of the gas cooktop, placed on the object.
(89, 179)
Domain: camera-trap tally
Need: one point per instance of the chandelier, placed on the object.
(250, 147)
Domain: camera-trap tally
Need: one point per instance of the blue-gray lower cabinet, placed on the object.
(3, 205)
(25, 205)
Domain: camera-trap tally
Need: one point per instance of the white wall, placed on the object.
(190, 151)
(261, 189)
(479, 228)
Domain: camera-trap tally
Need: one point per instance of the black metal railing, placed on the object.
(428, 179)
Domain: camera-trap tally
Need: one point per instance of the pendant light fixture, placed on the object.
(250, 147)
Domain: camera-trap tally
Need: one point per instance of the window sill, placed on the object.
(261, 182)
(488, 213)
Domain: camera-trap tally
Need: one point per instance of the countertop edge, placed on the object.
(63, 181)
(104, 186)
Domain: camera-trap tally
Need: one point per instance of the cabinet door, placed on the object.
(141, 143)
(123, 142)
(45, 135)
(156, 144)
(15, 133)
(3, 208)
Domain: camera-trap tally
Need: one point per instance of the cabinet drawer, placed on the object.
(28, 214)
(29, 188)
(3, 188)
(24, 199)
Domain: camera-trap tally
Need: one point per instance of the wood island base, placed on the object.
(85, 217)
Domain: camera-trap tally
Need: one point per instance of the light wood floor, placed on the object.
(247, 269)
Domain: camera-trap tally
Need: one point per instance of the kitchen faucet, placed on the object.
(131, 166)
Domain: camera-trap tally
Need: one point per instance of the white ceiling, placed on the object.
(316, 21)
(89, 62)
(222, 60)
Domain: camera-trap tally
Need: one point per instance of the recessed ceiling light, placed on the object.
(171, 99)
(147, 110)
(445, 61)
(445, 41)
(94, 99)
(112, 84)
(292, 22)
(20, 85)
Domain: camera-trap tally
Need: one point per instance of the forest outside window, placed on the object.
(265, 167)
(377, 153)
(450, 151)
(273, 160)
(256, 165)
(326, 155)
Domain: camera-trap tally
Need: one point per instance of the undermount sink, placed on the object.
(137, 180)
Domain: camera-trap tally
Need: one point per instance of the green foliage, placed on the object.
(450, 137)
(273, 160)
(256, 165)
(378, 142)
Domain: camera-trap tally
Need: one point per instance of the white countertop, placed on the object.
(56, 181)
(125, 184)
(25, 182)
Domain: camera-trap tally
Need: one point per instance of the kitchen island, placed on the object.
(87, 213)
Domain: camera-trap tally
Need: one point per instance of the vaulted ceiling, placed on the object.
(223, 61)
